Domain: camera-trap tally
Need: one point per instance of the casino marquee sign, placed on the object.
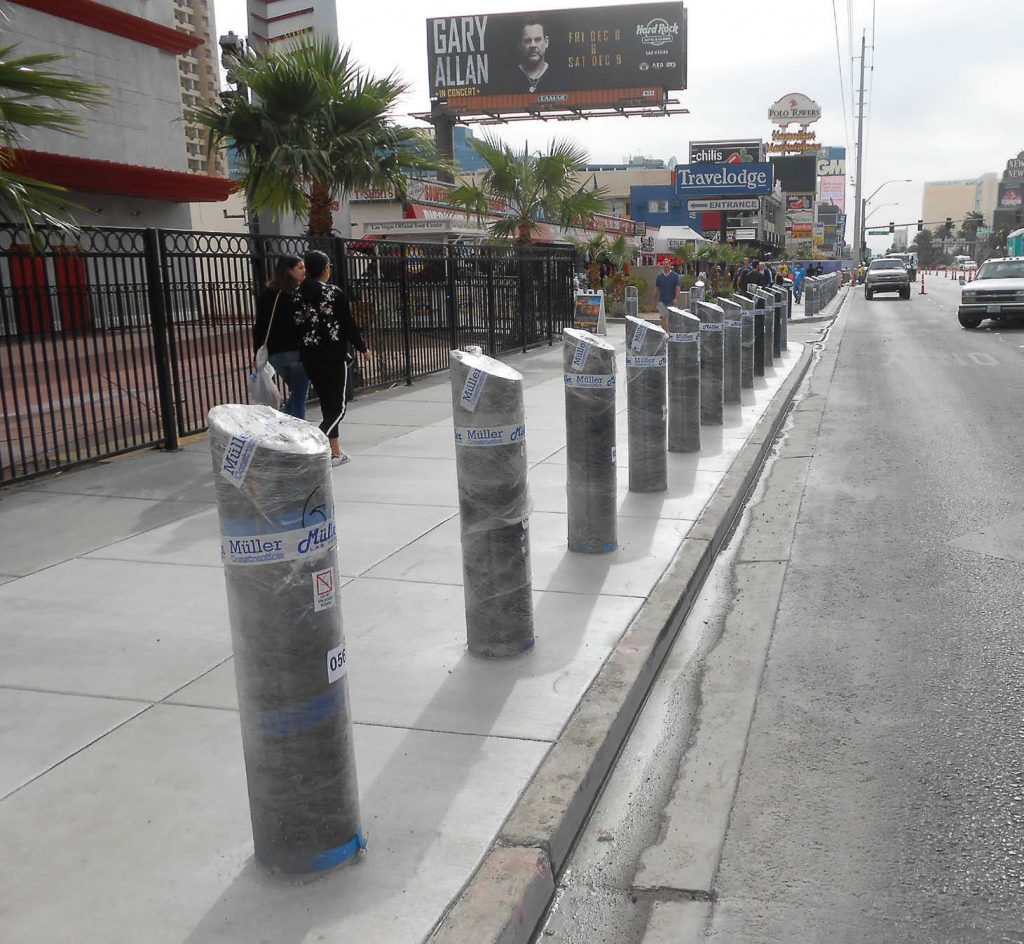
(515, 62)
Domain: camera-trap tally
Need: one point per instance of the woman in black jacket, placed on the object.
(326, 329)
(276, 307)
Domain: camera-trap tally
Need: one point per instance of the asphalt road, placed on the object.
(880, 796)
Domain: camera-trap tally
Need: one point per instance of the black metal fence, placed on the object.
(118, 339)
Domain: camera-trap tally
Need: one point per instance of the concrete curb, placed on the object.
(506, 897)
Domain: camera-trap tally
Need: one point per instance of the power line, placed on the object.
(839, 63)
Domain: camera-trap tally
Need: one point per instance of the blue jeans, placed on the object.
(291, 371)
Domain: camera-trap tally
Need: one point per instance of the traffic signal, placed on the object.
(949, 224)
(920, 225)
(892, 227)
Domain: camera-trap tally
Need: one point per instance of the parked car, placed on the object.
(997, 292)
(887, 275)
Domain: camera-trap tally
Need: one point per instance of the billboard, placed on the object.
(832, 162)
(747, 151)
(798, 174)
(1010, 195)
(833, 190)
(723, 180)
(551, 57)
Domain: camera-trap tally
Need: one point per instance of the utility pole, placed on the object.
(858, 209)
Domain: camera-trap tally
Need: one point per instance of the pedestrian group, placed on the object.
(307, 326)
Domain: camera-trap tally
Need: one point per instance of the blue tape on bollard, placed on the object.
(337, 855)
(286, 721)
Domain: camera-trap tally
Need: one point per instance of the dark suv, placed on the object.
(887, 275)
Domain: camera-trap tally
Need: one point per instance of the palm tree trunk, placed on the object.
(321, 221)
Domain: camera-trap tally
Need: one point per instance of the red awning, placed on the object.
(130, 180)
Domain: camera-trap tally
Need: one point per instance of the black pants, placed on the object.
(329, 378)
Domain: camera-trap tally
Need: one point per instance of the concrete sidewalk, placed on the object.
(124, 815)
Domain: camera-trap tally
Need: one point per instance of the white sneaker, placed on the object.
(340, 460)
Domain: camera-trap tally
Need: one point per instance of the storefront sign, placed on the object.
(715, 206)
(795, 108)
(748, 151)
(723, 180)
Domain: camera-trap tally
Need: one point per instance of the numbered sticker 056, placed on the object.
(337, 663)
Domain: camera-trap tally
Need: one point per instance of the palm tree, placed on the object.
(32, 96)
(317, 126)
(531, 186)
(973, 221)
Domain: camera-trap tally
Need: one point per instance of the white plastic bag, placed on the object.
(262, 389)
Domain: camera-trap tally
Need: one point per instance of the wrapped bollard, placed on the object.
(589, 373)
(646, 362)
(712, 351)
(490, 459)
(683, 381)
(747, 348)
(733, 346)
(696, 294)
(279, 549)
(768, 299)
(759, 316)
(631, 298)
(778, 321)
(782, 327)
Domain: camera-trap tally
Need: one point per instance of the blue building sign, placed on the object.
(721, 180)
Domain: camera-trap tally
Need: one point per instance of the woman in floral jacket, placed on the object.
(326, 329)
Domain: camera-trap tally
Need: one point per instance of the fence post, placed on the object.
(523, 292)
(451, 262)
(550, 268)
(403, 279)
(158, 327)
(489, 259)
(341, 268)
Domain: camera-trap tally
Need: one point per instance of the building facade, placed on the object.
(956, 198)
(274, 23)
(200, 82)
(130, 165)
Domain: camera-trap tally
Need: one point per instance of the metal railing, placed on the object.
(118, 339)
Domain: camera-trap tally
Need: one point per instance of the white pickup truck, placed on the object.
(996, 292)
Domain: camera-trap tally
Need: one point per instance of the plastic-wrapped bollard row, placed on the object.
(683, 381)
(747, 347)
(279, 549)
(589, 374)
(646, 362)
(732, 381)
(712, 368)
(494, 504)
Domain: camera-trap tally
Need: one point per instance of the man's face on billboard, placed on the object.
(534, 44)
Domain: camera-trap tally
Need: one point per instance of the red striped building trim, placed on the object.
(88, 175)
(108, 20)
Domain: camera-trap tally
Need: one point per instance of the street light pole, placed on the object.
(858, 204)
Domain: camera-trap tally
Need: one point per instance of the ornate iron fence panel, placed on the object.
(118, 339)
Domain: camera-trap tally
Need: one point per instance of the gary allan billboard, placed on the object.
(557, 51)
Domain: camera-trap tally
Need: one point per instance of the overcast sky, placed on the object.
(945, 90)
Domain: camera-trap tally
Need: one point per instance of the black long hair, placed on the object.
(316, 262)
(283, 280)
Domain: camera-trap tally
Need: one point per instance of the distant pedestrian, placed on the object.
(326, 329)
(740, 279)
(275, 326)
(799, 274)
(666, 291)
